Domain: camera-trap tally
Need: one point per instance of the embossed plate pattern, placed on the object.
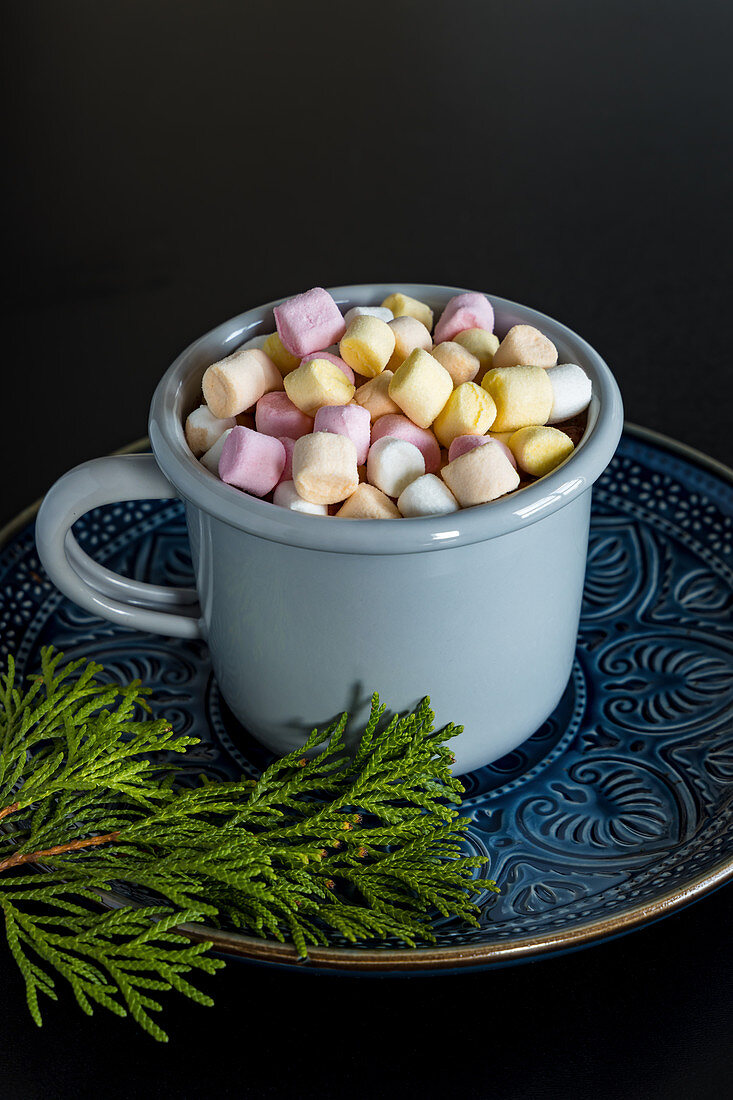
(616, 812)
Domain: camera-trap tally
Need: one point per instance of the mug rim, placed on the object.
(482, 522)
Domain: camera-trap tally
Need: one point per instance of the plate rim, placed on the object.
(416, 959)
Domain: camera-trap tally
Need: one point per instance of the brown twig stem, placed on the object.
(73, 846)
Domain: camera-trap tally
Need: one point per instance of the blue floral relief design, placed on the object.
(624, 793)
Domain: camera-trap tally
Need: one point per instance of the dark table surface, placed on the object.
(171, 163)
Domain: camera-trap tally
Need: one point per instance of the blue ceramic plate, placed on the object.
(616, 812)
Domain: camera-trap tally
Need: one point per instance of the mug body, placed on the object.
(306, 617)
(487, 630)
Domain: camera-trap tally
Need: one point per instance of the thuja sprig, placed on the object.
(363, 844)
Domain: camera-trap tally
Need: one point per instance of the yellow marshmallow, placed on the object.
(421, 387)
(368, 502)
(402, 305)
(462, 365)
(324, 467)
(523, 395)
(367, 345)
(409, 333)
(525, 346)
(469, 410)
(316, 383)
(539, 449)
(503, 437)
(284, 360)
(480, 343)
(374, 396)
(480, 475)
(239, 381)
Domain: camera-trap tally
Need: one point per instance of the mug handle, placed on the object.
(156, 608)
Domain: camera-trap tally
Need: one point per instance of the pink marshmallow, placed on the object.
(251, 461)
(309, 321)
(275, 414)
(471, 310)
(337, 362)
(288, 444)
(350, 420)
(462, 444)
(401, 427)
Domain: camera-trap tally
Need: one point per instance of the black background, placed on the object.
(170, 164)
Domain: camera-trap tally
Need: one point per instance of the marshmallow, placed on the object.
(525, 346)
(523, 395)
(331, 358)
(427, 496)
(400, 427)
(349, 420)
(461, 364)
(203, 429)
(324, 467)
(251, 461)
(315, 383)
(571, 391)
(256, 342)
(335, 413)
(393, 463)
(275, 414)
(402, 305)
(211, 459)
(409, 333)
(286, 496)
(236, 383)
(281, 357)
(381, 312)
(368, 502)
(421, 387)
(462, 444)
(469, 410)
(367, 345)
(374, 396)
(480, 343)
(309, 321)
(469, 310)
(289, 445)
(538, 449)
(479, 476)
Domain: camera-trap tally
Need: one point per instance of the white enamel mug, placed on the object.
(306, 616)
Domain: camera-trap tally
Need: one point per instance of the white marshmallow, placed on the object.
(255, 342)
(324, 467)
(237, 382)
(392, 464)
(211, 459)
(571, 391)
(286, 495)
(203, 429)
(381, 312)
(427, 496)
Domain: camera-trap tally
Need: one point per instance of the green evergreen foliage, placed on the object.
(363, 845)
